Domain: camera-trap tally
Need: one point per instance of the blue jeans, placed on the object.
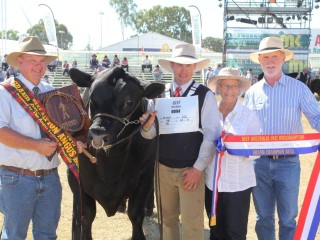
(277, 185)
(24, 198)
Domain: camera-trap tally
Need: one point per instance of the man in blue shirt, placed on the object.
(279, 102)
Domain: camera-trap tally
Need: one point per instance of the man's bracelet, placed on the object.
(145, 130)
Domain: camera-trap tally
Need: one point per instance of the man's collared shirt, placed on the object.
(12, 115)
(279, 108)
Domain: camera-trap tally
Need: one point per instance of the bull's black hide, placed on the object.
(314, 85)
(125, 170)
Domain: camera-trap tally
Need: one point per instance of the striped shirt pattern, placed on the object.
(279, 108)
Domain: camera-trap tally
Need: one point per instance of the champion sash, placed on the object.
(67, 146)
(283, 144)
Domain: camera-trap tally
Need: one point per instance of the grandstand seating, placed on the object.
(58, 80)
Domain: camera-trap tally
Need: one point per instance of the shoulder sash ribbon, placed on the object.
(67, 146)
(283, 144)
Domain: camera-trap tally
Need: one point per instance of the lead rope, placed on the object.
(157, 183)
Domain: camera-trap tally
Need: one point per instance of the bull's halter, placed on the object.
(125, 121)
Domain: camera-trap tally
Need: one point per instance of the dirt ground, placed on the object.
(119, 227)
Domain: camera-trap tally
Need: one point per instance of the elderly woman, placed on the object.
(237, 173)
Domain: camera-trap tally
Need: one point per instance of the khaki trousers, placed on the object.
(176, 201)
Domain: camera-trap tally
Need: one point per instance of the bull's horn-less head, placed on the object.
(116, 98)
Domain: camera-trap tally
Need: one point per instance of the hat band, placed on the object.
(40, 50)
(270, 48)
(188, 56)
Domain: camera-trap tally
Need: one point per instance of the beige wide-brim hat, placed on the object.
(32, 46)
(184, 53)
(271, 44)
(229, 73)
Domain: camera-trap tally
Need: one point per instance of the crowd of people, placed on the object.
(186, 154)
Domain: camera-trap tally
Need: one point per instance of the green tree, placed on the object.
(125, 9)
(173, 22)
(65, 39)
(213, 44)
(10, 34)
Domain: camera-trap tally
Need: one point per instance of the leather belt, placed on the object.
(277, 157)
(37, 173)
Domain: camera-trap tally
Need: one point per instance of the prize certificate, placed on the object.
(177, 115)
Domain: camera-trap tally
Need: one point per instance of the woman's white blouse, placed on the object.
(237, 172)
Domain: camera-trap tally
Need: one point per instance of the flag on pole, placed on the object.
(196, 26)
(50, 28)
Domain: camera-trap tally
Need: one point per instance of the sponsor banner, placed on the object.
(315, 41)
(50, 28)
(240, 42)
(196, 26)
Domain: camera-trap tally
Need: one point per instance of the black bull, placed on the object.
(126, 169)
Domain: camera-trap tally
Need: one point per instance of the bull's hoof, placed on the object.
(148, 212)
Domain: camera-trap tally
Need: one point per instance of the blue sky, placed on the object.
(83, 18)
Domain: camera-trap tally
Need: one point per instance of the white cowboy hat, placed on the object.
(184, 53)
(29, 45)
(229, 73)
(271, 44)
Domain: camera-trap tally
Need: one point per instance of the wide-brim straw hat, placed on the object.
(32, 46)
(184, 54)
(229, 73)
(271, 44)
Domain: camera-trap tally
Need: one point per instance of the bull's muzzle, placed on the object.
(97, 144)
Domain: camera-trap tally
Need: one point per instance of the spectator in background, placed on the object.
(106, 62)
(12, 72)
(4, 64)
(52, 66)
(65, 68)
(208, 74)
(157, 73)
(94, 62)
(125, 64)
(252, 77)
(146, 64)
(99, 69)
(249, 74)
(74, 64)
(116, 61)
(217, 70)
(2, 76)
(45, 79)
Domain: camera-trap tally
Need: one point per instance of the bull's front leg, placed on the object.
(88, 215)
(136, 213)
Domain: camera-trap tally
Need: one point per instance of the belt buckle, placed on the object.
(35, 173)
(275, 157)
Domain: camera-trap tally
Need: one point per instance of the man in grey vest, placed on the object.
(185, 153)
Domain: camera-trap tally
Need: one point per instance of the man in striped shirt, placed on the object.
(279, 102)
